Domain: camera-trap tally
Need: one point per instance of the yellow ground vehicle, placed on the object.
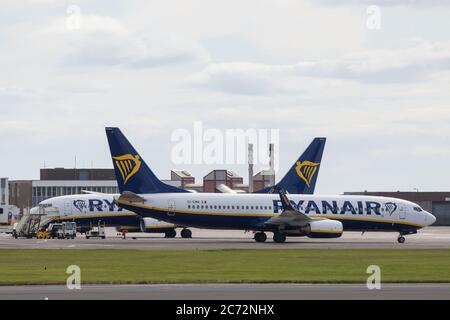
(43, 234)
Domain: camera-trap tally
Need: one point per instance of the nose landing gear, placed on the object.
(401, 238)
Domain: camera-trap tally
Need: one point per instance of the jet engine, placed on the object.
(127, 229)
(150, 225)
(324, 229)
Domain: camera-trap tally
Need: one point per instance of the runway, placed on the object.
(234, 292)
(429, 238)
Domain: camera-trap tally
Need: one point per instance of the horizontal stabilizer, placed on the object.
(130, 197)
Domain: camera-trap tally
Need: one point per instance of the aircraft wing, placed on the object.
(95, 193)
(290, 215)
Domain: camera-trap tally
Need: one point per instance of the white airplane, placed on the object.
(89, 210)
(313, 216)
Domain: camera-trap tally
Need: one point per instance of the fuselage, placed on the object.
(92, 209)
(252, 211)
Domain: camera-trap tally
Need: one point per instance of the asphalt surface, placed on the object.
(432, 237)
(230, 292)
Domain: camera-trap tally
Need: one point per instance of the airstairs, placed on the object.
(32, 222)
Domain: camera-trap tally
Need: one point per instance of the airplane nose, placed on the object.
(430, 219)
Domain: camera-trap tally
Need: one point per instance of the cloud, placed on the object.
(416, 63)
(103, 41)
(236, 78)
(304, 68)
(427, 3)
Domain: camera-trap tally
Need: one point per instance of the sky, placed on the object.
(371, 76)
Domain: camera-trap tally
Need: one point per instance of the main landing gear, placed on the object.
(278, 237)
(401, 239)
(171, 233)
(260, 237)
(186, 233)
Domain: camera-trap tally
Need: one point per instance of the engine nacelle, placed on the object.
(150, 225)
(325, 229)
(128, 229)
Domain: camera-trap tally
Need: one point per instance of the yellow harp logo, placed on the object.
(306, 170)
(128, 166)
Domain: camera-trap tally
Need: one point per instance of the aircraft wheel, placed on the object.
(401, 239)
(171, 233)
(186, 233)
(260, 237)
(279, 237)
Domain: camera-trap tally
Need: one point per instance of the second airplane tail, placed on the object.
(302, 176)
(132, 173)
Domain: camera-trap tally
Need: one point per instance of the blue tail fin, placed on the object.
(302, 177)
(132, 173)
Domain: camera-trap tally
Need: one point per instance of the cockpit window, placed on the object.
(418, 209)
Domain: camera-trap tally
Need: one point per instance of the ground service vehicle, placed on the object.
(96, 232)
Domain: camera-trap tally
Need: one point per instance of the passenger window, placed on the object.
(232, 207)
(215, 207)
(228, 207)
(247, 207)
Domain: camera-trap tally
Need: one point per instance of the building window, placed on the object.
(84, 175)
